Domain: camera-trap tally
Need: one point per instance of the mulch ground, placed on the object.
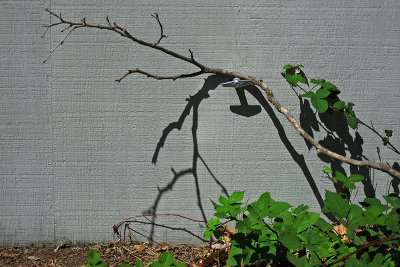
(113, 254)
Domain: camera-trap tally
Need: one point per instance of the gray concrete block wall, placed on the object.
(76, 148)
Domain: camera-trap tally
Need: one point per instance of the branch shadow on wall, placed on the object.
(192, 106)
(298, 158)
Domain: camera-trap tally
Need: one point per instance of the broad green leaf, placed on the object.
(93, 257)
(222, 211)
(287, 66)
(355, 217)
(302, 77)
(394, 201)
(139, 263)
(340, 177)
(317, 81)
(223, 200)
(322, 93)
(265, 199)
(289, 240)
(351, 120)
(372, 201)
(327, 169)
(323, 225)
(277, 207)
(339, 105)
(236, 197)
(234, 256)
(393, 223)
(301, 208)
(166, 259)
(330, 86)
(292, 79)
(336, 205)
(309, 94)
(296, 261)
(305, 220)
(321, 105)
(355, 178)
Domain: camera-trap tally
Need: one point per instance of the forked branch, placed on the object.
(203, 69)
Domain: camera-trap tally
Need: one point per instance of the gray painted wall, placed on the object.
(76, 148)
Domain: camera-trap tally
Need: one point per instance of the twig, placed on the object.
(158, 77)
(372, 128)
(256, 81)
(155, 15)
(163, 226)
(363, 247)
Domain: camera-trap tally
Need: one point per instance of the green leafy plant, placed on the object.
(166, 259)
(323, 95)
(276, 233)
(94, 259)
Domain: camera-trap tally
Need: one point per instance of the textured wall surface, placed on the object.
(76, 148)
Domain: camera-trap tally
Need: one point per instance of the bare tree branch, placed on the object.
(204, 70)
(158, 77)
(155, 15)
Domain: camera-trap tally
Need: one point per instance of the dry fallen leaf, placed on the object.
(340, 230)
(34, 258)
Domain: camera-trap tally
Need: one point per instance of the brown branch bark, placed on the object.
(160, 77)
(204, 70)
(363, 247)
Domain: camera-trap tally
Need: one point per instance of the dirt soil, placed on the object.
(113, 254)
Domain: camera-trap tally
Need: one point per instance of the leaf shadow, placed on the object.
(340, 141)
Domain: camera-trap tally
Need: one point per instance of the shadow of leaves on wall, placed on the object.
(339, 140)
